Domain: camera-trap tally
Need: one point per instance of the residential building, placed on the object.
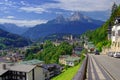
(62, 59)
(89, 46)
(72, 61)
(51, 70)
(116, 30)
(69, 60)
(115, 38)
(11, 71)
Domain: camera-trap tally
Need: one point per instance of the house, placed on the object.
(37, 63)
(69, 60)
(115, 36)
(51, 70)
(11, 71)
(2, 59)
(72, 61)
(47, 74)
(89, 46)
(116, 30)
(62, 59)
(77, 51)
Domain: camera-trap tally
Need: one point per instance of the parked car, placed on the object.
(110, 54)
(116, 55)
(97, 52)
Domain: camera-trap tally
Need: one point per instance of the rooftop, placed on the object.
(15, 67)
(22, 67)
(72, 58)
(32, 62)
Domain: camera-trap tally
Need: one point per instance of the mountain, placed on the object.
(8, 40)
(59, 20)
(12, 28)
(77, 16)
(75, 24)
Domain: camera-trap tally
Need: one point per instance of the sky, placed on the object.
(32, 12)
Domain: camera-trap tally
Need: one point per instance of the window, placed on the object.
(118, 32)
(113, 33)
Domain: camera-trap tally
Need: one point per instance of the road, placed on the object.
(103, 67)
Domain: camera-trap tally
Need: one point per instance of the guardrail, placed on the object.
(81, 74)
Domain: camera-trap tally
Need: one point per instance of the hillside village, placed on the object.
(14, 65)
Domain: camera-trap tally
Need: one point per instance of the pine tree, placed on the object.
(114, 7)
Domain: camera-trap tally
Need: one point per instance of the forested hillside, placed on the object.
(9, 40)
(48, 52)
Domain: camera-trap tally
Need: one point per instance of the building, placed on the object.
(72, 61)
(10, 71)
(77, 51)
(115, 37)
(89, 46)
(62, 59)
(51, 70)
(69, 60)
(116, 30)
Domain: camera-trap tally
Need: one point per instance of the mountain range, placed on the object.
(77, 23)
(12, 28)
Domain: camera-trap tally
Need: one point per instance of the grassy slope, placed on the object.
(71, 72)
(68, 74)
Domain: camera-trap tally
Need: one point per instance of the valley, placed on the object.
(59, 40)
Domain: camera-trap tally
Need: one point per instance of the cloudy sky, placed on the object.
(33, 12)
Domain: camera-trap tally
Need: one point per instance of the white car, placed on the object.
(116, 55)
(110, 54)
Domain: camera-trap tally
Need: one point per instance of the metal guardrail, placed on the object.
(81, 74)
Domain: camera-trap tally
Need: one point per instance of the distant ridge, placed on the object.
(9, 40)
(77, 23)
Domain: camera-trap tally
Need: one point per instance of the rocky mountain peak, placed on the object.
(77, 16)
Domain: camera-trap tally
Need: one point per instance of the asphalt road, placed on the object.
(108, 67)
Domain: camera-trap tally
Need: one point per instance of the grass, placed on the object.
(69, 73)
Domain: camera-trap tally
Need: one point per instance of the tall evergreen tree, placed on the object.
(114, 7)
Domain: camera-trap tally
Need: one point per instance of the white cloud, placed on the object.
(80, 5)
(27, 23)
(72, 5)
(10, 17)
(33, 9)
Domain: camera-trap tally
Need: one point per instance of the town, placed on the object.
(59, 40)
(14, 66)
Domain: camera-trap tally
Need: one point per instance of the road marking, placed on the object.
(92, 72)
(100, 74)
(106, 73)
(89, 70)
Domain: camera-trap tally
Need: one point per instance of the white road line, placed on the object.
(100, 74)
(92, 72)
